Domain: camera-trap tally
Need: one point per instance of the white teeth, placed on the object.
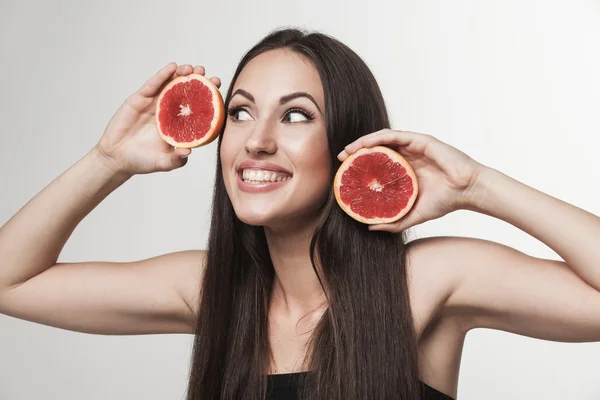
(255, 176)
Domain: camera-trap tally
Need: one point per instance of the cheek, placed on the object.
(320, 159)
(228, 150)
(316, 164)
(227, 156)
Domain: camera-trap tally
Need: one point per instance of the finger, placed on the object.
(395, 227)
(154, 84)
(180, 162)
(383, 137)
(199, 69)
(184, 69)
(216, 81)
(182, 153)
(173, 160)
(396, 137)
(357, 144)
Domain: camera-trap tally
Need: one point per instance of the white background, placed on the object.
(514, 84)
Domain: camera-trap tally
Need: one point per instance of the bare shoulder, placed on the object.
(440, 266)
(441, 334)
(182, 270)
(432, 277)
(484, 284)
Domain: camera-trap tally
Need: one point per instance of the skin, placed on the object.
(457, 284)
(266, 130)
(483, 284)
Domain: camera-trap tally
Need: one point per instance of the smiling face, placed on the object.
(274, 151)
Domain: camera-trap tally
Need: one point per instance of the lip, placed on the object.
(258, 188)
(264, 165)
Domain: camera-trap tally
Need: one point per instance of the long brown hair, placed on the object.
(364, 345)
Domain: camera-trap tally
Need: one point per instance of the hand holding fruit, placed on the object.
(131, 143)
(446, 176)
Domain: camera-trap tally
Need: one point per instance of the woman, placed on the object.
(291, 288)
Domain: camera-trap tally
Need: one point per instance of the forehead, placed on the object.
(276, 73)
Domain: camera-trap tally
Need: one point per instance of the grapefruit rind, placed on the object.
(216, 123)
(396, 157)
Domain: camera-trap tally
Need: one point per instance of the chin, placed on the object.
(254, 218)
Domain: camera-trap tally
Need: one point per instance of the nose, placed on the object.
(261, 140)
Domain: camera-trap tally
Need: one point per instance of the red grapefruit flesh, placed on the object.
(375, 185)
(189, 111)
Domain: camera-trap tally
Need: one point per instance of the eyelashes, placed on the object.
(309, 115)
(233, 111)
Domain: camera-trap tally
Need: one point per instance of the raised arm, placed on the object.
(156, 295)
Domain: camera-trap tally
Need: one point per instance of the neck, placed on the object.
(296, 288)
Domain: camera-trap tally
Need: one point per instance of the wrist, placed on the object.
(108, 164)
(478, 194)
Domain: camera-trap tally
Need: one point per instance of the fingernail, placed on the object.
(342, 152)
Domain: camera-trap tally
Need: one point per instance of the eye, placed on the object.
(297, 115)
(239, 114)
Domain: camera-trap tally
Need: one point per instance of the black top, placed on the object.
(285, 387)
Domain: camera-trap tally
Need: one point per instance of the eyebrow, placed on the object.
(283, 99)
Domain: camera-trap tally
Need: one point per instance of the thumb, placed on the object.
(176, 159)
(181, 153)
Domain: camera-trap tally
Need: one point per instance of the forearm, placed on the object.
(573, 233)
(31, 241)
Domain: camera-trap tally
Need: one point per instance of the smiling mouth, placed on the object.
(262, 177)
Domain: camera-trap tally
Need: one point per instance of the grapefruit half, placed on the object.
(375, 185)
(189, 111)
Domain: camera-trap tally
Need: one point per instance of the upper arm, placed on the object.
(495, 286)
(155, 295)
